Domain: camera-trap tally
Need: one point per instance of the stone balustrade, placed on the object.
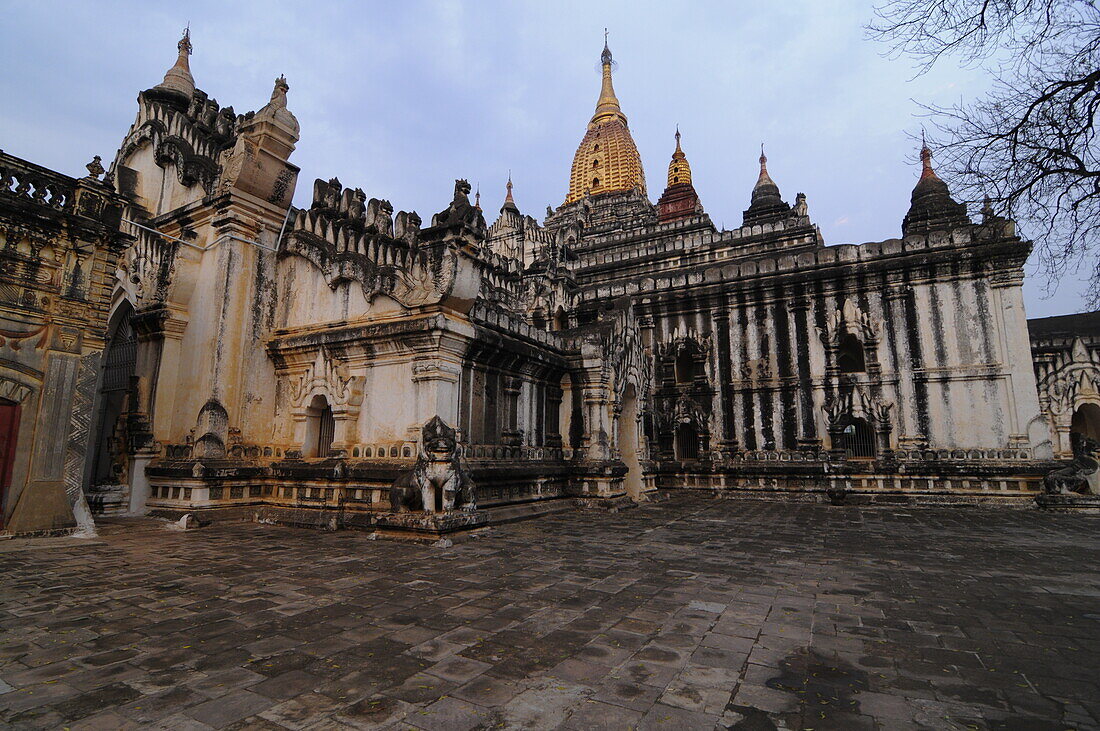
(22, 179)
(399, 450)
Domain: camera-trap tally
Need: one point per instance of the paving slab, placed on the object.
(686, 613)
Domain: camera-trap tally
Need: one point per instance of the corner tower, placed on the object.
(607, 160)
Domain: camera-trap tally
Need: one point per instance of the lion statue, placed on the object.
(440, 481)
(1075, 477)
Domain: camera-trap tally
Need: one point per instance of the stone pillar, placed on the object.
(1023, 400)
(139, 483)
(727, 438)
(554, 394)
(345, 418)
(301, 433)
(910, 433)
(597, 437)
(436, 384)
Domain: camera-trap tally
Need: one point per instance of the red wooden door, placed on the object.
(9, 432)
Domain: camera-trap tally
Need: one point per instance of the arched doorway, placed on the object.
(110, 476)
(628, 442)
(1086, 420)
(320, 427)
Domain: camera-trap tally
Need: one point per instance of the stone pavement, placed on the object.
(686, 614)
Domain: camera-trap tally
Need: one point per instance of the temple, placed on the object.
(228, 355)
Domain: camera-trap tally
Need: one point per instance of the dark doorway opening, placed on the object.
(9, 434)
(320, 428)
(1086, 420)
(119, 363)
(687, 442)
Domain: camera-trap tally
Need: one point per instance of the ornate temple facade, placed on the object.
(267, 362)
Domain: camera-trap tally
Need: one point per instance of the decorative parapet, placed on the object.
(20, 179)
(346, 248)
(712, 269)
(23, 182)
(903, 455)
(385, 451)
(490, 314)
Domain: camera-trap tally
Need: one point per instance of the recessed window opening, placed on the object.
(685, 368)
(850, 356)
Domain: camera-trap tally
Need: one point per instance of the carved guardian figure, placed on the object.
(439, 482)
(1075, 477)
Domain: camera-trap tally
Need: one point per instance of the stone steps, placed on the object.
(108, 499)
(498, 515)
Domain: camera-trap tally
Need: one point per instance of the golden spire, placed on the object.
(179, 76)
(679, 171)
(607, 159)
(607, 106)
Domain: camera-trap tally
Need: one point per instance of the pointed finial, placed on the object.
(678, 169)
(605, 57)
(178, 78)
(925, 158)
(508, 197)
(278, 94)
(764, 182)
(477, 197)
(184, 45)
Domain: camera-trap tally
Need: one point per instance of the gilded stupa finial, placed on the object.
(508, 197)
(679, 171)
(608, 105)
(607, 159)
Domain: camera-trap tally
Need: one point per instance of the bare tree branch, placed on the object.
(1031, 143)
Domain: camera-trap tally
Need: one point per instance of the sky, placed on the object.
(401, 98)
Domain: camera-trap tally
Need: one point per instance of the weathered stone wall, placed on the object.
(1066, 353)
(59, 241)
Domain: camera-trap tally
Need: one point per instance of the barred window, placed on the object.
(858, 439)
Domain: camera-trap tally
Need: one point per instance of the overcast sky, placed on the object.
(401, 98)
